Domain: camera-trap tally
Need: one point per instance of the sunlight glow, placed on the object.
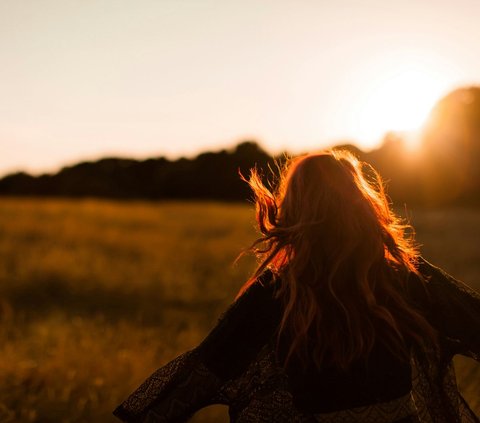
(399, 97)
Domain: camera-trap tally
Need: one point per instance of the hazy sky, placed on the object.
(87, 78)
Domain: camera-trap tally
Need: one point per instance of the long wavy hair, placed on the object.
(342, 259)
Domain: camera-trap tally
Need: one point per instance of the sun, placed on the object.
(398, 96)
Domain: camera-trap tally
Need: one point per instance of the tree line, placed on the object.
(444, 171)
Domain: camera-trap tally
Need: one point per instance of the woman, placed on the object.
(342, 320)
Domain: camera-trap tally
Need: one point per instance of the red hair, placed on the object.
(342, 259)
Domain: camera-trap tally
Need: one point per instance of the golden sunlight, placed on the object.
(397, 96)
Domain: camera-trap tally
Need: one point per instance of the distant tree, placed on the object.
(19, 183)
(451, 145)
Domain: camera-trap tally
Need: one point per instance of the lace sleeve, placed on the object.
(195, 379)
(454, 310)
(172, 393)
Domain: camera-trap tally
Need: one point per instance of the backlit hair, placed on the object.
(342, 258)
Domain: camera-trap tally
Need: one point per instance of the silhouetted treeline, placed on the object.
(444, 171)
(212, 175)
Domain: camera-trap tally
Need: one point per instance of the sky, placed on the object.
(84, 79)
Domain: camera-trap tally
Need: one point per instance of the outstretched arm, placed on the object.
(172, 393)
(195, 379)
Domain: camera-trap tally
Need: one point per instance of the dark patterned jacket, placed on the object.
(237, 365)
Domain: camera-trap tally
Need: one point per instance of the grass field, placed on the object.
(95, 295)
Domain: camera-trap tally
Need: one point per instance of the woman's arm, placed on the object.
(195, 379)
(172, 393)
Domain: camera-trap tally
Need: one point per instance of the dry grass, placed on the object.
(94, 295)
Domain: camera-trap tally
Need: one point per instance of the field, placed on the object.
(95, 295)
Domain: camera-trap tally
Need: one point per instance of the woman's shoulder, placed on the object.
(434, 289)
(432, 272)
(452, 307)
(262, 288)
(438, 281)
